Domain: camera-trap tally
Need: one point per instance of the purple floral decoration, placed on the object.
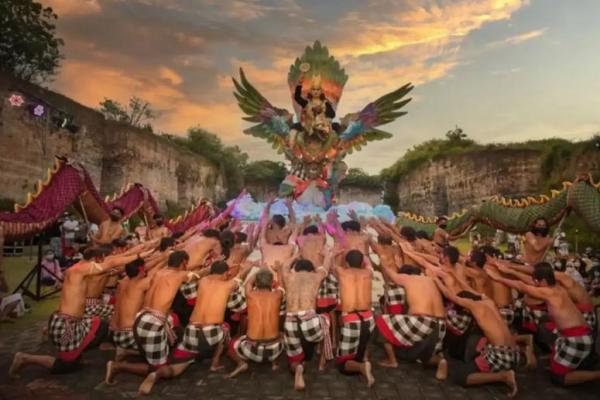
(38, 111)
(16, 101)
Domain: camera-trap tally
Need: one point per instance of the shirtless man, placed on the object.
(274, 252)
(203, 249)
(85, 331)
(109, 229)
(129, 299)
(419, 334)
(573, 349)
(242, 247)
(390, 257)
(440, 236)
(357, 317)
(303, 327)
(153, 326)
(160, 230)
(277, 231)
(94, 302)
(537, 242)
(489, 358)
(262, 342)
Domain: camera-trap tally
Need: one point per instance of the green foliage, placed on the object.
(138, 113)
(356, 177)
(575, 227)
(7, 204)
(265, 172)
(173, 209)
(29, 48)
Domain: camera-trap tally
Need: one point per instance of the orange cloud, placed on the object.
(517, 39)
(67, 8)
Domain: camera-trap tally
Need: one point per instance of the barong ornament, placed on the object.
(311, 138)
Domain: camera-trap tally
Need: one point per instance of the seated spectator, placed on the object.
(51, 274)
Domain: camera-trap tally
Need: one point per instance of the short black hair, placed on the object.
(264, 279)
(157, 216)
(539, 219)
(302, 264)
(177, 235)
(227, 240)
(409, 233)
(118, 243)
(118, 209)
(240, 237)
(544, 271)
(278, 220)
(132, 268)
(211, 233)
(478, 258)
(490, 250)
(441, 218)
(410, 270)
(452, 253)
(351, 225)
(465, 294)
(176, 258)
(165, 243)
(422, 235)
(92, 252)
(354, 258)
(311, 230)
(219, 268)
(385, 240)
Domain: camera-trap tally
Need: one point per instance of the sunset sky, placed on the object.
(503, 70)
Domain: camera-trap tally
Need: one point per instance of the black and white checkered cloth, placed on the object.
(196, 337)
(189, 290)
(124, 338)
(590, 319)
(508, 313)
(500, 358)
(409, 330)
(532, 315)
(305, 324)
(350, 335)
(570, 351)
(458, 321)
(249, 350)
(395, 297)
(67, 333)
(153, 334)
(329, 288)
(237, 300)
(97, 307)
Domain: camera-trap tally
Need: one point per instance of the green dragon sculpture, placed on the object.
(516, 215)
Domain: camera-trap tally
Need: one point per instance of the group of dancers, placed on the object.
(179, 298)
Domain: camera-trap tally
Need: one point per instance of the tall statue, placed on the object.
(311, 139)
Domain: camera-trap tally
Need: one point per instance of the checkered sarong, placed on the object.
(124, 338)
(249, 350)
(571, 348)
(200, 338)
(237, 300)
(458, 322)
(97, 307)
(494, 358)
(508, 314)
(589, 314)
(407, 330)
(189, 290)
(350, 340)
(297, 326)
(533, 315)
(153, 332)
(328, 294)
(395, 299)
(71, 335)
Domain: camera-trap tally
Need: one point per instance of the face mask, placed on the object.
(50, 257)
(540, 231)
(159, 223)
(577, 264)
(443, 226)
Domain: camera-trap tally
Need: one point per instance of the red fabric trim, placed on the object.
(575, 331)
(74, 354)
(191, 302)
(343, 359)
(176, 320)
(530, 326)
(353, 317)
(182, 354)
(386, 331)
(482, 364)
(395, 309)
(550, 325)
(326, 301)
(296, 359)
(112, 300)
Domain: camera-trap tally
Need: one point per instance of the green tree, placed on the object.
(29, 48)
(138, 113)
(265, 171)
(359, 178)
(456, 135)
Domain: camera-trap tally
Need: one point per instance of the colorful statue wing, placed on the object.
(359, 128)
(273, 123)
(323, 68)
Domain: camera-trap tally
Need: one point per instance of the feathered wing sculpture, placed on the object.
(273, 123)
(359, 128)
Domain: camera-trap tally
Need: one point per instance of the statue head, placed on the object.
(316, 89)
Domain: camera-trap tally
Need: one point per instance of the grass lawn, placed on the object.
(16, 268)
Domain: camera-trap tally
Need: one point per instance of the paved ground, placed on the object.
(405, 383)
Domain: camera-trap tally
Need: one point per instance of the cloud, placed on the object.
(69, 8)
(517, 39)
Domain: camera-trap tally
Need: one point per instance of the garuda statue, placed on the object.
(311, 138)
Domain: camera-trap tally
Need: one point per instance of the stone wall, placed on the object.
(113, 153)
(353, 193)
(458, 181)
